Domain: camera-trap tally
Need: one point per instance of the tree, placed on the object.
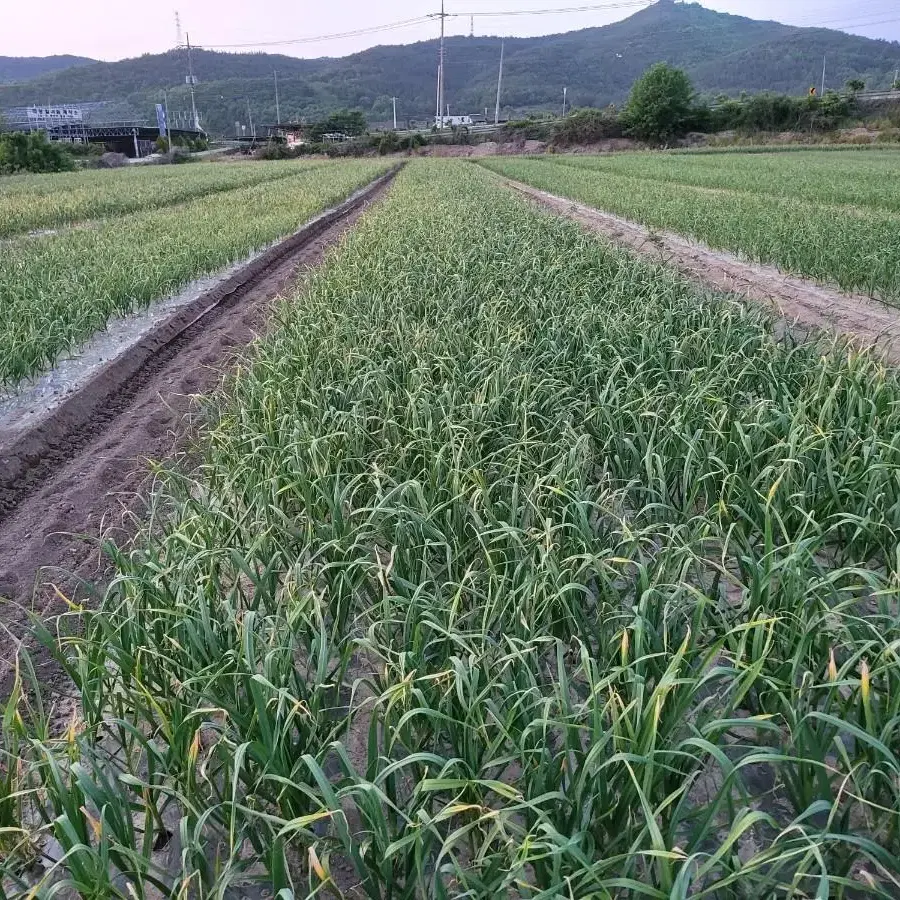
(344, 121)
(855, 85)
(32, 152)
(660, 106)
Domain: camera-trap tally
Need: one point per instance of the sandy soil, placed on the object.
(865, 322)
(78, 475)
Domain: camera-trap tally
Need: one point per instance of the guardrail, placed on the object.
(878, 95)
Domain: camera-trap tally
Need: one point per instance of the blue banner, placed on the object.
(161, 120)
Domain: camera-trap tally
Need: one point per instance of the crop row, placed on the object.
(829, 178)
(36, 202)
(58, 290)
(513, 567)
(855, 248)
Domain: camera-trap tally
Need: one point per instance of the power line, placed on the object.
(840, 12)
(421, 20)
(851, 23)
(359, 32)
(846, 25)
(558, 10)
(865, 13)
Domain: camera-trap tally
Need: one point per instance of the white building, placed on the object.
(452, 121)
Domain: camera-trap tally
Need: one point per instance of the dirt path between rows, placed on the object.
(864, 321)
(81, 474)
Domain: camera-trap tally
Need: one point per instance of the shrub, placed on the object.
(83, 151)
(531, 129)
(388, 143)
(32, 152)
(780, 112)
(275, 150)
(412, 142)
(585, 126)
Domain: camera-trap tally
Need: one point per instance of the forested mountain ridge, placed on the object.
(21, 68)
(721, 53)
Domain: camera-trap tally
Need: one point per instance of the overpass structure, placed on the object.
(87, 123)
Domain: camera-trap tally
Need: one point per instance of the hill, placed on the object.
(721, 52)
(22, 68)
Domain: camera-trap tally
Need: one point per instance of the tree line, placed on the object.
(662, 107)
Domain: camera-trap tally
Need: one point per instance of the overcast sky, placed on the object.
(114, 29)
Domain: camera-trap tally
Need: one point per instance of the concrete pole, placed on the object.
(441, 79)
(499, 84)
(277, 104)
(191, 78)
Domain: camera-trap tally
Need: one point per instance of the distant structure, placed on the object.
(452, 121)
(61, 123)
(90, 123)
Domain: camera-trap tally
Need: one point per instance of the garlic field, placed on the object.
(59, 288)
(833, 216)
(508, 565)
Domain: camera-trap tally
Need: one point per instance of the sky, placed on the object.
(115, 29)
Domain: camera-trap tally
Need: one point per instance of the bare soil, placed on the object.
(488, 148)
(78, 476)
(805, 305)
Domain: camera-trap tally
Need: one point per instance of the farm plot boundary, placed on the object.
(64, 482)
(805, 305)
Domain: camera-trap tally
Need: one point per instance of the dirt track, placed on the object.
(864, 322)
(79, 475)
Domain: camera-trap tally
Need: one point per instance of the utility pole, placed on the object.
(565, 97)
(440, 90)
(168, 120)
(824, 58)
(277, 104)
(499, 85)
(191, 82)
(394, 101)
(472, 26)
(250, 119)
(439, 104)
